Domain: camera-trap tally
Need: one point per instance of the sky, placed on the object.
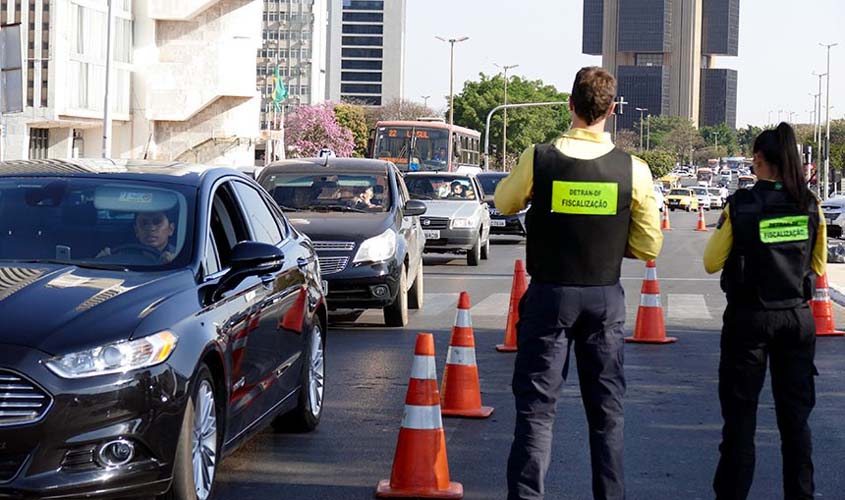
(778, 50)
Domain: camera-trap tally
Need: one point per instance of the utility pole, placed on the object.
(425, 100)
(716, 135)
(648, 132)
(106, 98)
(641, 110)
(827, 119)
(505, 69)
(452, 42)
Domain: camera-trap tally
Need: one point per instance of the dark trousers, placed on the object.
(593, 318)
(787, 339)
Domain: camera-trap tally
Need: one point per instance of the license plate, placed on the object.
(431, 234)
(325, 285)
(674, 202)
(498, 223)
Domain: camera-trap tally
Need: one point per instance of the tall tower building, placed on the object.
(366, 62)
(662, 53)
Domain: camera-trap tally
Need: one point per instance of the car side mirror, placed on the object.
(249, 258)
(414, 208)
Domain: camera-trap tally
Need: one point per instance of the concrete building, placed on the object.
(183, 85)
(366, 61)
(294, 38)
(662, 53)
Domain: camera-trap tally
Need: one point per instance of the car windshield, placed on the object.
(701, 192)
(340, 192)
(426, 147)
(432, 187)
(489, 182)
(102, 223)
(715, 192)
(679, 192)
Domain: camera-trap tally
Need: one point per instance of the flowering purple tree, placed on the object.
(310, 128)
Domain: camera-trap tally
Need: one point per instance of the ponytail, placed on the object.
(779, 147)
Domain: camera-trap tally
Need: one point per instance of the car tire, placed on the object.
(396, 314)
(474, 253)
(415, 295)
(485, 249)
(183, 486)
(306, 416)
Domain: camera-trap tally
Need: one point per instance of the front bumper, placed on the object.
(356, 286)
(452, 240)
(514, 225)
(678, 204)
(57, 454)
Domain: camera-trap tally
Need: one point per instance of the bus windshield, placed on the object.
(424, 148)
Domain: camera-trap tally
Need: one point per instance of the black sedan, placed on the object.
(154, 317)
(513, 225)
(364, 226)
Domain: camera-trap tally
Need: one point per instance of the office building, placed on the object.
(366, 61)
(182, 81)
(663, 54)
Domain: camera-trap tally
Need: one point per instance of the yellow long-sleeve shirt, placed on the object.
(719, 246)
(645, 238)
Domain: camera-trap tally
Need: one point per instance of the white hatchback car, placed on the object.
(703, 197)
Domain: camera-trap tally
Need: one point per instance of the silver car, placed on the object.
(457, 220)
(834, 214)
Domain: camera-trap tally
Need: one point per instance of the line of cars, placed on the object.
(690, 199)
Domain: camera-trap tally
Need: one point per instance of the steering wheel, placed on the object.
(137, 249)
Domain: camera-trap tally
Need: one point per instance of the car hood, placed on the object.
(59, 309)
(340, 226)
(450, 209)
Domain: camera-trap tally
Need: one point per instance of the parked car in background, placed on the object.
(683, 199)
(659, 198)
(834, 215)
(499, 223)
(703, 197)
(457, 219)
(364, 225)
(717, 197)
(155, 317)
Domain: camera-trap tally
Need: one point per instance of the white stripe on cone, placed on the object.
(651, 274)
(423, 368)
(650, 300)
(423, 418)
(463, 319)
(461, 356)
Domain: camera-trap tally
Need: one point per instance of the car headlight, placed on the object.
(118, 357)
(464, 223)
(377, 248)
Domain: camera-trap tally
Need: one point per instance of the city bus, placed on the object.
(423, 145)
(705, 177)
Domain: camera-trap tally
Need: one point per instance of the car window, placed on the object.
(403, 189)
(264, 226)
(679, 192)
(227, 225)
(489, 183)
(318, 192)
(435, 187)
(210, 261)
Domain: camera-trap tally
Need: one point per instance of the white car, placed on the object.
(703, 197)
(834, 216)
(717, 197)
(658, 196)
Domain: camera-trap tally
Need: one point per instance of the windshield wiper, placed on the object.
(338, 208)
(290, 209)
(85, 265)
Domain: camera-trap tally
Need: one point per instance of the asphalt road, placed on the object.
(672, 411)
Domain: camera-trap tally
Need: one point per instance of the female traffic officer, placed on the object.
(771, 244)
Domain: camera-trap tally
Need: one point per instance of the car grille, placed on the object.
(21, 401)
(10, 465)
(435, 223)
(80, 459)
(332, 265)
(335, 246)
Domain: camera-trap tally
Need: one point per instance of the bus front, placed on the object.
(412, 147)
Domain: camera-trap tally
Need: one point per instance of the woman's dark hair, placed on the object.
(779, 148)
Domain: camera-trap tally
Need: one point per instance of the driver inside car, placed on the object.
(152, 231)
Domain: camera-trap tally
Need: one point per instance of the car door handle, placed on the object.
(268, 280)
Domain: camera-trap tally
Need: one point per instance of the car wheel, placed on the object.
(197, 453)
(306, 416)
(396, 314)
(672, 209)
(474, 253)
(485, 250)
(415, 295)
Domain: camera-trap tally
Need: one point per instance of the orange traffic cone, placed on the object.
(650, 328)
(665, 225)
(702, 224)
(823, 310)
(518, 289)
(461, 394)
(420, 467)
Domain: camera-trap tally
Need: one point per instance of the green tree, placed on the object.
(660, 128)
(660, 162)
(526, 126)
(683, 139)
(745, 139)
(353, 118)
(724, 135)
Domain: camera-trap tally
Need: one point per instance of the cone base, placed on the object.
(505, 348)
(702, 230)
(666, 229)
(664, 340)
(383, 490)
(835, 333)
(483, 412)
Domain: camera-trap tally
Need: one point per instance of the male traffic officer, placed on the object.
(591, 205)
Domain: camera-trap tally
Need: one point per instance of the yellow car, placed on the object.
(683, 199)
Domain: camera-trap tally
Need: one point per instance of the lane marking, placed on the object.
(688, 306)
(495, 304)
(435, 304)
(510, 277)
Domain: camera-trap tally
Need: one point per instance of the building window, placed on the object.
(38, 143)
(78, 146)
(123, 40)
(365, 17)
(374, 53)
(44, 74)
(363, 4)
(350, 76)
(363, 29)
(356, 88)
(362, 40)
(357, 64)
(649, 59)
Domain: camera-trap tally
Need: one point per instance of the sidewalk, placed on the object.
(836, 282)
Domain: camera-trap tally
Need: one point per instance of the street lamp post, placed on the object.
(425, 100)
(452, 42)
(641, 110)
(827, 119)
(106, 97)
(505, 69)
(648, 132)
(620, 109)
(817, 131)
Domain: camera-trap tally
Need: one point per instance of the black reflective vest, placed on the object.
(769, 266)
(578, 221)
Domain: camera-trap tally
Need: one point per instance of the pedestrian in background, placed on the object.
(591, 206)
(771, 243)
